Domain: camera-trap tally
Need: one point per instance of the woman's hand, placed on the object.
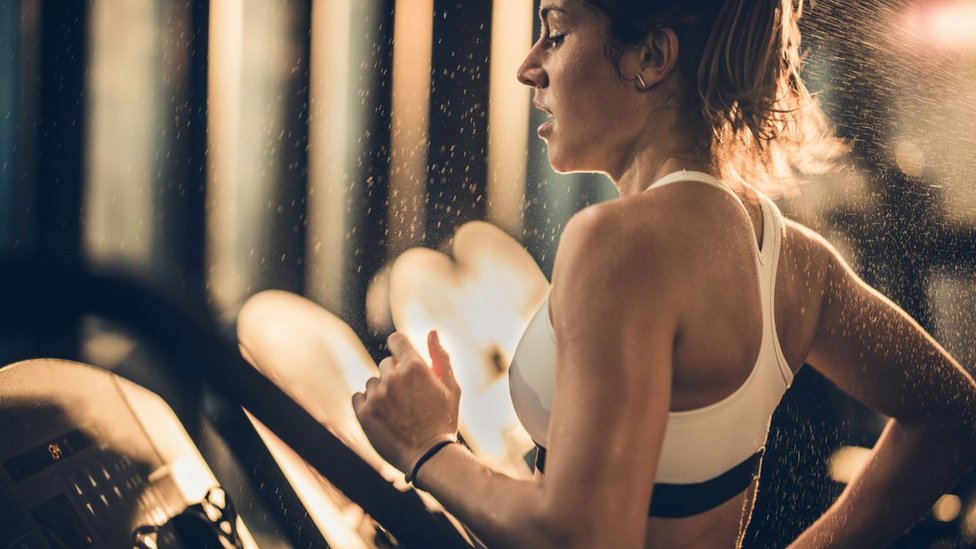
(410, 406)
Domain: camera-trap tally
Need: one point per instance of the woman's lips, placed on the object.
(545, 128)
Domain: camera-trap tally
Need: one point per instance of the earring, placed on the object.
(640, 82)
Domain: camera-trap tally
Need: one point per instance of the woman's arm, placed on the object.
(876, 353)
(615, 329)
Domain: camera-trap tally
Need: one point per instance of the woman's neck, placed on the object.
(643, 173)
(671, 140)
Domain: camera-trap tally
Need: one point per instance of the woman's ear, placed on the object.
(654, 59)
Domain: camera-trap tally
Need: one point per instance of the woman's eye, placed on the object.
(554, 41)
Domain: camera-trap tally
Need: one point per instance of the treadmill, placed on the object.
(91, 459)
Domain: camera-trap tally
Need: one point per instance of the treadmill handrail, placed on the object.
(33, 292)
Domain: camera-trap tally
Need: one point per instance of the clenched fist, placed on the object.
(410, 406)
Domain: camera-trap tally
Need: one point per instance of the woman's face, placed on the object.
(592, 109)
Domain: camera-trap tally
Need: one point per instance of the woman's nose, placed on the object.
(531, 73)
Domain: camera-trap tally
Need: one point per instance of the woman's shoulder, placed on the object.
(655, 225)
(646, 212)
(621, 225)
(607, 260)
(625, 241)
(672, 234)
(808, 251)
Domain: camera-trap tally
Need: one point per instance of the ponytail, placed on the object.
(766, 127)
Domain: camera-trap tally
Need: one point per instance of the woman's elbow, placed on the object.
(551, 531)
(576, 532)
(950, 427)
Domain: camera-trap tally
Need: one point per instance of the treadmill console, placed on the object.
(91, 460)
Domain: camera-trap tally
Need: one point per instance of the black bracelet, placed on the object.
(412, 475)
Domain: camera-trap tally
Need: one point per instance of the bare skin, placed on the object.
(655, 307)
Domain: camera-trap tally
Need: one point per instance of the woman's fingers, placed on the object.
(374, 388)
(404, 354)
(358, 400)
(406, 406)
(387, 365)
(441, 362)
(402, 350)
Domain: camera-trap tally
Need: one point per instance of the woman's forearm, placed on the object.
(502, 511)
(909, 468)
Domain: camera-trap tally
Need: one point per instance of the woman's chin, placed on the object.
(562, 163)
(557, 161)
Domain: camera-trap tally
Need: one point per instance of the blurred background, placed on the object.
(218, 148)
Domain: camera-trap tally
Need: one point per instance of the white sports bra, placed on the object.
(699, 445)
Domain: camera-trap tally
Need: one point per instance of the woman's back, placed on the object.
(722, 330)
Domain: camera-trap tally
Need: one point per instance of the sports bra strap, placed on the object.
(772, 232)
(701, 177)
(767, 255)
(708, 179)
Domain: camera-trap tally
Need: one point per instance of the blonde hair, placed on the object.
(744, 57)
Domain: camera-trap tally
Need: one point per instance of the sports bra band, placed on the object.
(686, 500)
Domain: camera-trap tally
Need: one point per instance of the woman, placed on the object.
(680, 312)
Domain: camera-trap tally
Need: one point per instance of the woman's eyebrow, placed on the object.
(545, 10)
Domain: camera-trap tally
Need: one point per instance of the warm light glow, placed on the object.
(337, 518)
(123, 98)
(105, 347)
(224, 75)
(947, 508)
(480, 302)
(378, 316)
(330, 150)
(910, 158)
(250, 65)
(317, 360)
(847, 462)
(947, 25)
(413, 36)
(314, 357)
(934, 68)
(508, 114)
(191, 477)
(951, 25)
(967, 528)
